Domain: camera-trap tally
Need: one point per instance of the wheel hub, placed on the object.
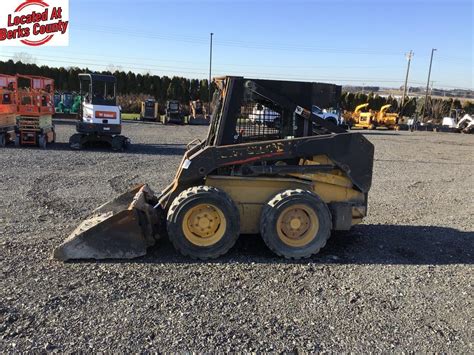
(204, 224)
(204, 221)
(297, 225)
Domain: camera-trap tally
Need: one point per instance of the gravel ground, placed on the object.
(403, 280)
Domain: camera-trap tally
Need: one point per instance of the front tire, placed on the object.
(42, 141)
(119, 143)
(203, 222)
(295, 224)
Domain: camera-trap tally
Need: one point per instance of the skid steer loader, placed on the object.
(293, 183)
(173, 113)
(149, 110)
(198, 113)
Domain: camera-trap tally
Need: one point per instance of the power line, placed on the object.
(248, 45)
(197, 40)
(57, 59)
(294, 67)
(276, 76)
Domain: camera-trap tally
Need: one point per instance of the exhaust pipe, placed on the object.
(122, 228)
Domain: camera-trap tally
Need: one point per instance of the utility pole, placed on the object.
(427, 87)
(409, 56)
(210, 73)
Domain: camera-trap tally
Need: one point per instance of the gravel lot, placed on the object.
(401, 281)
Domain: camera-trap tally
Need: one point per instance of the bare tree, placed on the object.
(112, 68)
(24, 57)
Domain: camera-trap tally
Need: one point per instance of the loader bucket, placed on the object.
(122, 228)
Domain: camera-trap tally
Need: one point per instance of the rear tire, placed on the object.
(295, 224)
(17, 140)
(42, 141)
(3, 140)
(203, 222)
(75, 142)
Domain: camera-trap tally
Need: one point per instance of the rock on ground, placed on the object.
(400, 281)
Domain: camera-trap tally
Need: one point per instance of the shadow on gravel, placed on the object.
(372, 133)
(423, 162)
(64, 122)
(365, 244)
(138, 148)
(154, 149)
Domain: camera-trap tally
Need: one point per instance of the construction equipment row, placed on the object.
(373, 119)
(174, 112)
(26, 110)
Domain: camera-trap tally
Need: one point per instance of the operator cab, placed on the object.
(99, 101)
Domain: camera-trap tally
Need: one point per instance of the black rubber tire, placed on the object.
(17, 140)
(118, 143)
(272, 210)
(75, 141)
(3, 140)
(333, 120)
(42, 141)
(126, 143)
(192, 197)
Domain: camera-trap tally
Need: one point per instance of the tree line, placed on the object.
(133, 88)
(437, 108)
(162, 88)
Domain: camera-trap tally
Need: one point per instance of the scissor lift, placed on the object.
(35, 102)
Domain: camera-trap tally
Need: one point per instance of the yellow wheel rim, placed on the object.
(297, 225)
(204, 225)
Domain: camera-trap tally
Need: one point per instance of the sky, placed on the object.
(345, 42)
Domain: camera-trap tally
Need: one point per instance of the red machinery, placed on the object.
(8, 85)
(35, 108)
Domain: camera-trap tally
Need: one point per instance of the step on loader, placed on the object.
(293, 183)
(99, 115)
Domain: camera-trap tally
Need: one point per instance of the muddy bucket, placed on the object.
(122, 228)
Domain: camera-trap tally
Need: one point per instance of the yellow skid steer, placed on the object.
(292, 182)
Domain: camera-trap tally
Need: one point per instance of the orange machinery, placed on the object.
(8, 85)
(35, 108)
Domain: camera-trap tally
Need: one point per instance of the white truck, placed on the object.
(263, 115)
(331, 115)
